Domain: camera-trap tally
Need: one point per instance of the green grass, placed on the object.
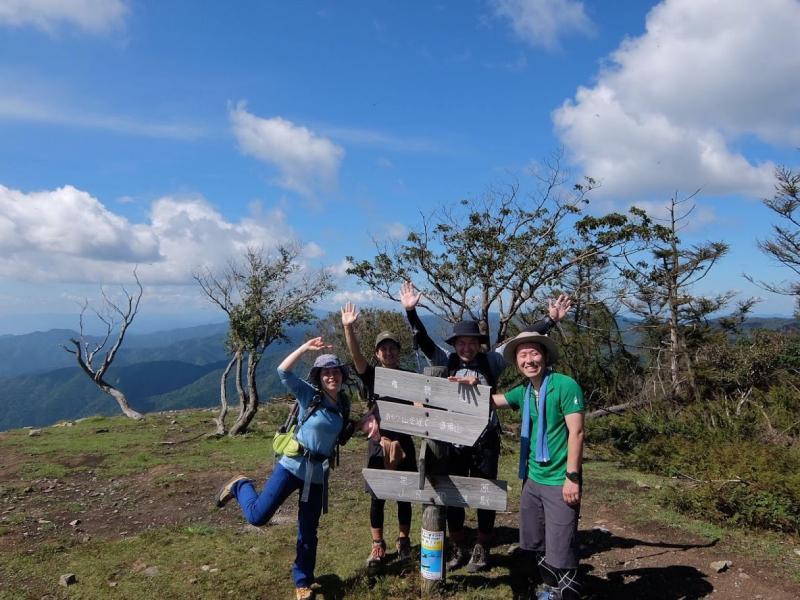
(213, 558)
(123, 447)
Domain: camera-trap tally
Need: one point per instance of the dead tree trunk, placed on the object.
(114, 316)
(121, 399)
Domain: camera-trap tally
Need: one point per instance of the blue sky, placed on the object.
(172, 134)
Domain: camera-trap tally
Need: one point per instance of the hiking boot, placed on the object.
(225, 493)
(458, 557)
(479, 559)
(377, 556)
(403, 548)
(304, 593)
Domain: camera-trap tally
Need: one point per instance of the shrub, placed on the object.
(732, 465)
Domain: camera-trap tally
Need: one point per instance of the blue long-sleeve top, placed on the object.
(318, 433)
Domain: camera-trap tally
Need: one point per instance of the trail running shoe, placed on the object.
(479, 559)
(377, 556)
(548, 593)
(403, 548)
(304, 593)
(458, 557)
(225, 493)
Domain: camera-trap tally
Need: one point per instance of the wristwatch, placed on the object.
(575, 477)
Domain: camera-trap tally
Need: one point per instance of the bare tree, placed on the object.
(496, 252)
(262, 296)
(116, 317)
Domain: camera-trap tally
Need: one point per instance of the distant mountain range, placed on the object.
(42, 350)
(40, 383)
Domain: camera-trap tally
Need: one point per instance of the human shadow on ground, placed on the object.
(657, 583)
(672, 582)
(330, 586)
(597, 541)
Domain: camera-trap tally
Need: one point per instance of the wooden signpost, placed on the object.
(444, 412)
(439, 490)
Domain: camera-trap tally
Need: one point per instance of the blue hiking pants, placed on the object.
(259, 508)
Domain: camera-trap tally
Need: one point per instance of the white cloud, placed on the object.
(25, 108)
(692, 215)
(396, 231)
(313, 250)
(674, 105)
(360, 297)
(379, 139)
(70, 222)
(340, 268)
(67, 235)
(94, 16)
(542, 22)
(308, 163)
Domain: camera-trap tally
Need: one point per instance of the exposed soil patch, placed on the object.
(622, 557)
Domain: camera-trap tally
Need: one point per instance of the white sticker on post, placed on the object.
(432, 559)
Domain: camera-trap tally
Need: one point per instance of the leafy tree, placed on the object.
(494, 253)
(262, 295)
(116, 317)
(593, 347)
(784, 245)
(659, 292)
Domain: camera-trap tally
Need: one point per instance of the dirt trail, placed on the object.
(622, 557)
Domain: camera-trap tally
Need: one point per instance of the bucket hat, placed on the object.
(326, 361)
(467, 329)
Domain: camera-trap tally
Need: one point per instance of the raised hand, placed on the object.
(557, 309)
(349, 314)
(409, 296)
(316, 343)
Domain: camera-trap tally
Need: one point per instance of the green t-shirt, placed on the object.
(564, 397)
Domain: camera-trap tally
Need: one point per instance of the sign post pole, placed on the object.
(442, 413)
(433, 569)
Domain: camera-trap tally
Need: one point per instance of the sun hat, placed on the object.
(467, 329)
(384, 336)
(531, 337)
(326, 361)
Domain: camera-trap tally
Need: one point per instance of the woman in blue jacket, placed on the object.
(324, 412)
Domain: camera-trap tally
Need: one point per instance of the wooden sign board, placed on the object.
(431, 423)
(440, 490)
(434, 391)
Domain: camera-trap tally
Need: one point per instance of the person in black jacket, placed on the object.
(384, 446)
(470, 363)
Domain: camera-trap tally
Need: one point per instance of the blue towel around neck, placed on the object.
(542, 451)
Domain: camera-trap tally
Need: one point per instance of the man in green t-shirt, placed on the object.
(551, 454)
